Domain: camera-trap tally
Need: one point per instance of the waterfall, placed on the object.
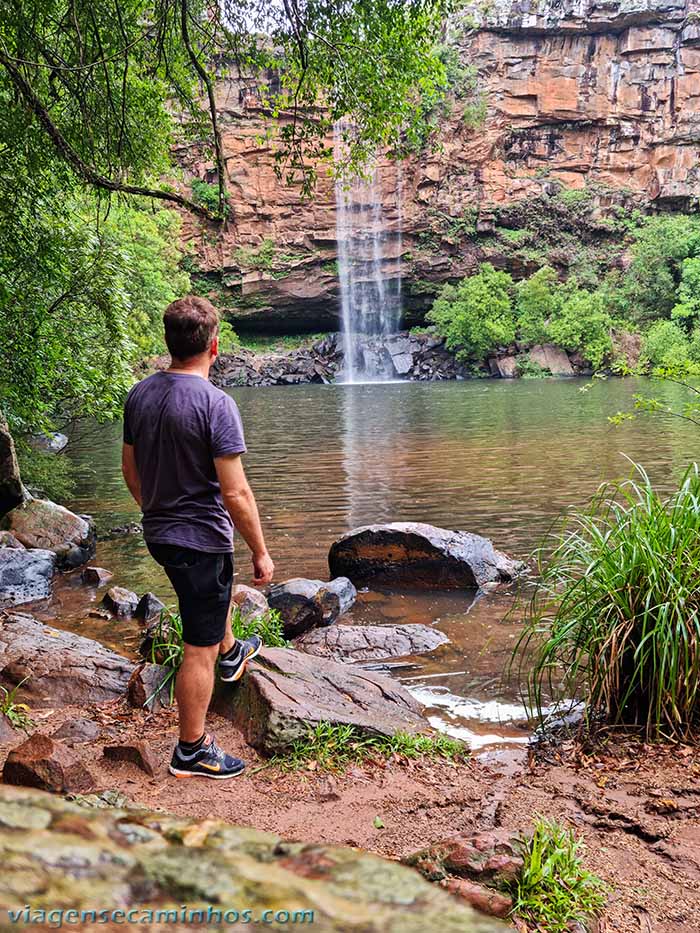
(369, 269)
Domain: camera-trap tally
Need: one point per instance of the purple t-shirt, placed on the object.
(178, 423)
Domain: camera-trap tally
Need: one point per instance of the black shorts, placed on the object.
(203, 583)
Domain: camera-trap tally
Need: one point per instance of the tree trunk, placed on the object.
(11, 491)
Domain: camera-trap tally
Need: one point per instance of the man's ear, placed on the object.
(214, 348)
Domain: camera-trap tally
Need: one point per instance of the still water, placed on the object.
(498, 458)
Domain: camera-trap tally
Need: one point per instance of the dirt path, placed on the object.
(637, 807)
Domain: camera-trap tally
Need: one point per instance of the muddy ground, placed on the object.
(636, 806)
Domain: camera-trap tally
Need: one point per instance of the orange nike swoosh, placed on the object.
(211, 767)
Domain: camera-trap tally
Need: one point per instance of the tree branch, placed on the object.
(74, 159)
(206, 80)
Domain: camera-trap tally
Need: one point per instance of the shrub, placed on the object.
(665, 346)
(615, 616)
(228, 338)
(554, 890)
(168, 647)
(687, 307)
(538, 298)
(477, 314)
(47, 475)
(583, 324)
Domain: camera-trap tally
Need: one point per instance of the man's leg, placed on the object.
(193, 690)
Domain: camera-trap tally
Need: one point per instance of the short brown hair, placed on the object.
(190, 325)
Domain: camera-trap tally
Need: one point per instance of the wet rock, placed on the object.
(7, 731)
(148, 607)
(59, 667)
(121, 602)
(370, 642)
(50, 765)
(7, 539)
(40, 523)
(417, 554)
(552, 358)
(52, 443)
(305, 604)
(77, 731)
(251, 602)
(149, 687)
(96, 576)
(25, 575)
(133, 858)
(284, 692)
(485, 900)
(139, 753)
(491, 858)
(503, 367)
(122, 531)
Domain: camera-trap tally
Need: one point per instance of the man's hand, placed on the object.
(263, 569)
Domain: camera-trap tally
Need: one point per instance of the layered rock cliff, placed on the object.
(569, 114)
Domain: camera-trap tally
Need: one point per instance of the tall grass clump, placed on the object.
(614, 619)
(268, 625)
(554, 890)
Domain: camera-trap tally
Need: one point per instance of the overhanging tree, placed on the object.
(92, 98)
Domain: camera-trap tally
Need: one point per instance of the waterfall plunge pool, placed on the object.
(498, 458)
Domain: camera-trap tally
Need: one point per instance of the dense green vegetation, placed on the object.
(615, 616)
(93, 100)
(554, 890)
(657, 296)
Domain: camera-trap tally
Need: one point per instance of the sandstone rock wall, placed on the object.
(568, 94)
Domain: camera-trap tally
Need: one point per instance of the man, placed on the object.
(181, 460)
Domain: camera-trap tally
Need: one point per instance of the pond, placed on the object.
(498, 458)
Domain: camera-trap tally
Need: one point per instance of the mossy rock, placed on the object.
(57, 854)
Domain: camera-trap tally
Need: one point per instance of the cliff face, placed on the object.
(599, 98)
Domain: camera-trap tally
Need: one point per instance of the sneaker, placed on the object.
(231, 669)
(210, 761)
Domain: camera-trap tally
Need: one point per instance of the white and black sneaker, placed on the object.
(208, 761)
(232, 664)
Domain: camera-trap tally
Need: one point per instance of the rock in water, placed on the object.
(286, 691)
(305, 604)
(40, 523)
(552, 358)
(416, 554)
(370, 642)
(60, 667)
(47, 764)
(25, 575)
(148, 607)
(133, 858)
(120, 601)
(96, 576)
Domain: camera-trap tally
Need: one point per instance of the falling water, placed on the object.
(369, 272)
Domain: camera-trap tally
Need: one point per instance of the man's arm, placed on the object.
(131, 475)
(241, 506)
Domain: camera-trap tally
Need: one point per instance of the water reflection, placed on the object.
(498, 458)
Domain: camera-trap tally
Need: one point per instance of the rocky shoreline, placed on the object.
(410, 356)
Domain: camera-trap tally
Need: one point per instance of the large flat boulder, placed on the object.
(370, 642)
(304, 604)
(285, 691)
(40, 523)
(59, 667)
(25, 575)
(136, 859)
(552, 358)
(417, 554)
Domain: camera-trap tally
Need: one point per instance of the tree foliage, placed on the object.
(92, 99)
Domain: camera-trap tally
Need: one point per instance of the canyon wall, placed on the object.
(575, 112)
